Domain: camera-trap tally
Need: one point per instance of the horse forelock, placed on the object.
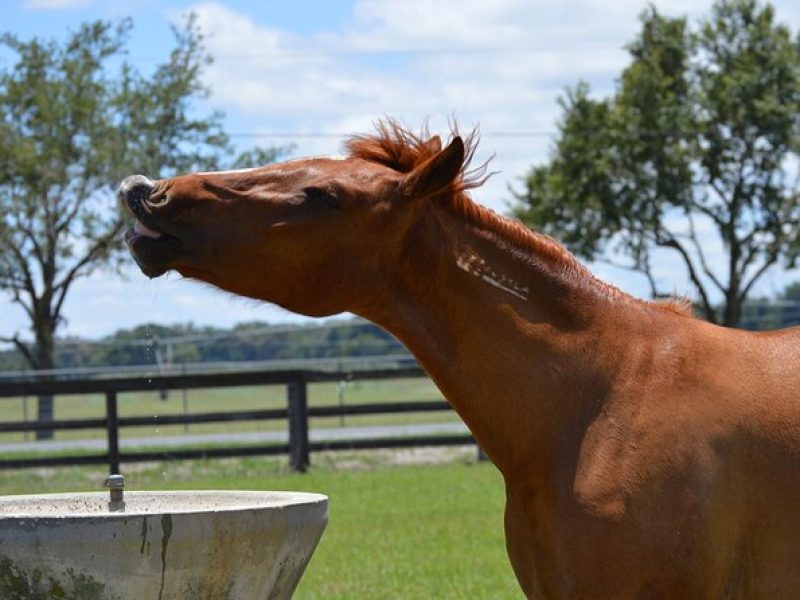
(397, 147)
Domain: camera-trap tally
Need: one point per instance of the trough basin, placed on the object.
(161, 545)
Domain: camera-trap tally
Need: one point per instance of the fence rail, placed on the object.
(296, 414)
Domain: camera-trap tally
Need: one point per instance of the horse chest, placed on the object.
(562, 549)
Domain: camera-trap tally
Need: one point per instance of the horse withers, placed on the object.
(646, 453)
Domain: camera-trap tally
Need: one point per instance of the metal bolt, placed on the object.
(116, 484)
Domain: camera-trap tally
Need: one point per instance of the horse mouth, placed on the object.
(154, 251)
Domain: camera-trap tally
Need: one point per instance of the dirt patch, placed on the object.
(374, 459)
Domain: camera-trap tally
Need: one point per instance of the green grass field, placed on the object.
(414, 531)
(229, 399)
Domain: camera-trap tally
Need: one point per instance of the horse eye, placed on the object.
(316, 194)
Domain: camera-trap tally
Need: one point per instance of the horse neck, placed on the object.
(510, 340)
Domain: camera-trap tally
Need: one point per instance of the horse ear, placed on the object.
(434, 144)
(437, 173)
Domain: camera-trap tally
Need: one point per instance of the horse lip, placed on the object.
(154, 249)
(141, 229)
(154, 255)
(145, 222)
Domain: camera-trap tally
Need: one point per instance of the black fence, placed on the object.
(296, 413)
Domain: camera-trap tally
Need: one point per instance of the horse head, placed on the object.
(312, 235)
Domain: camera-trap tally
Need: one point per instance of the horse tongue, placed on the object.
(142, 229)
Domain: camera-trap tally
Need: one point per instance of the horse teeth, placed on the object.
(142, 229)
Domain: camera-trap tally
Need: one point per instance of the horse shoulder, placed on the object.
(655, 437)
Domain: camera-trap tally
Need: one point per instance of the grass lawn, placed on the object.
(411, 531)
(229, 399)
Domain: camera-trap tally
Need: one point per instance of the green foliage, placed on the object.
(791, 292)
(703, 131)
(75, 118)
(150, 344)
(72, 126)
(761, 314)
(257, 157)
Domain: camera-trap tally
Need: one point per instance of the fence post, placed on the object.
(112, 431)
(26, 435)
(298, 425)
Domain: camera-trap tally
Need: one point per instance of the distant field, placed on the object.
(395, 532)
(228, 399)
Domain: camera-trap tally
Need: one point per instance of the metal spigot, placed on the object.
(116, 485)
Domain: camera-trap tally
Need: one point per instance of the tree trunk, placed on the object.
(732, 313)
(45, 355)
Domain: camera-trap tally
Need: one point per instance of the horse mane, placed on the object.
(400, 149)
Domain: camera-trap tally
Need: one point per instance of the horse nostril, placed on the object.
(134, 190)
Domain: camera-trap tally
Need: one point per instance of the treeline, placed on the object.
(152, 344)
(761, 314)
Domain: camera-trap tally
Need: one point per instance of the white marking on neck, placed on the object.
(475, 265)
(500, 286)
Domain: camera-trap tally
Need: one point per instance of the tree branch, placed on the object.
(62, 286)
(79, 195)
(22, 263)
(771, 260)
(671, 242)
(22, 348)
(646, 271)
(28, 308)
(701, 255)
(721, 193)
(28, 233)
(706, 211)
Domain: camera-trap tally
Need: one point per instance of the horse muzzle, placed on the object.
(153, 250)
(134, 191)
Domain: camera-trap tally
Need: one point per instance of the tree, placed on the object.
(783, 310)
(75, 117)
(697, 149)
(791, 293)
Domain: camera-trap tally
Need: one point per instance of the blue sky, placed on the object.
(318, 69)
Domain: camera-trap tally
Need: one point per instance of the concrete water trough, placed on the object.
(159, 545)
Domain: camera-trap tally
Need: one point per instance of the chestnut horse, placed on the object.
(646, 453)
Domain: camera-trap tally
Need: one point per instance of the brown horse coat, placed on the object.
(646, 454)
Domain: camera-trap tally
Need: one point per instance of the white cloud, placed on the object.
(54, 4)
(450, 23)
(501, 64)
